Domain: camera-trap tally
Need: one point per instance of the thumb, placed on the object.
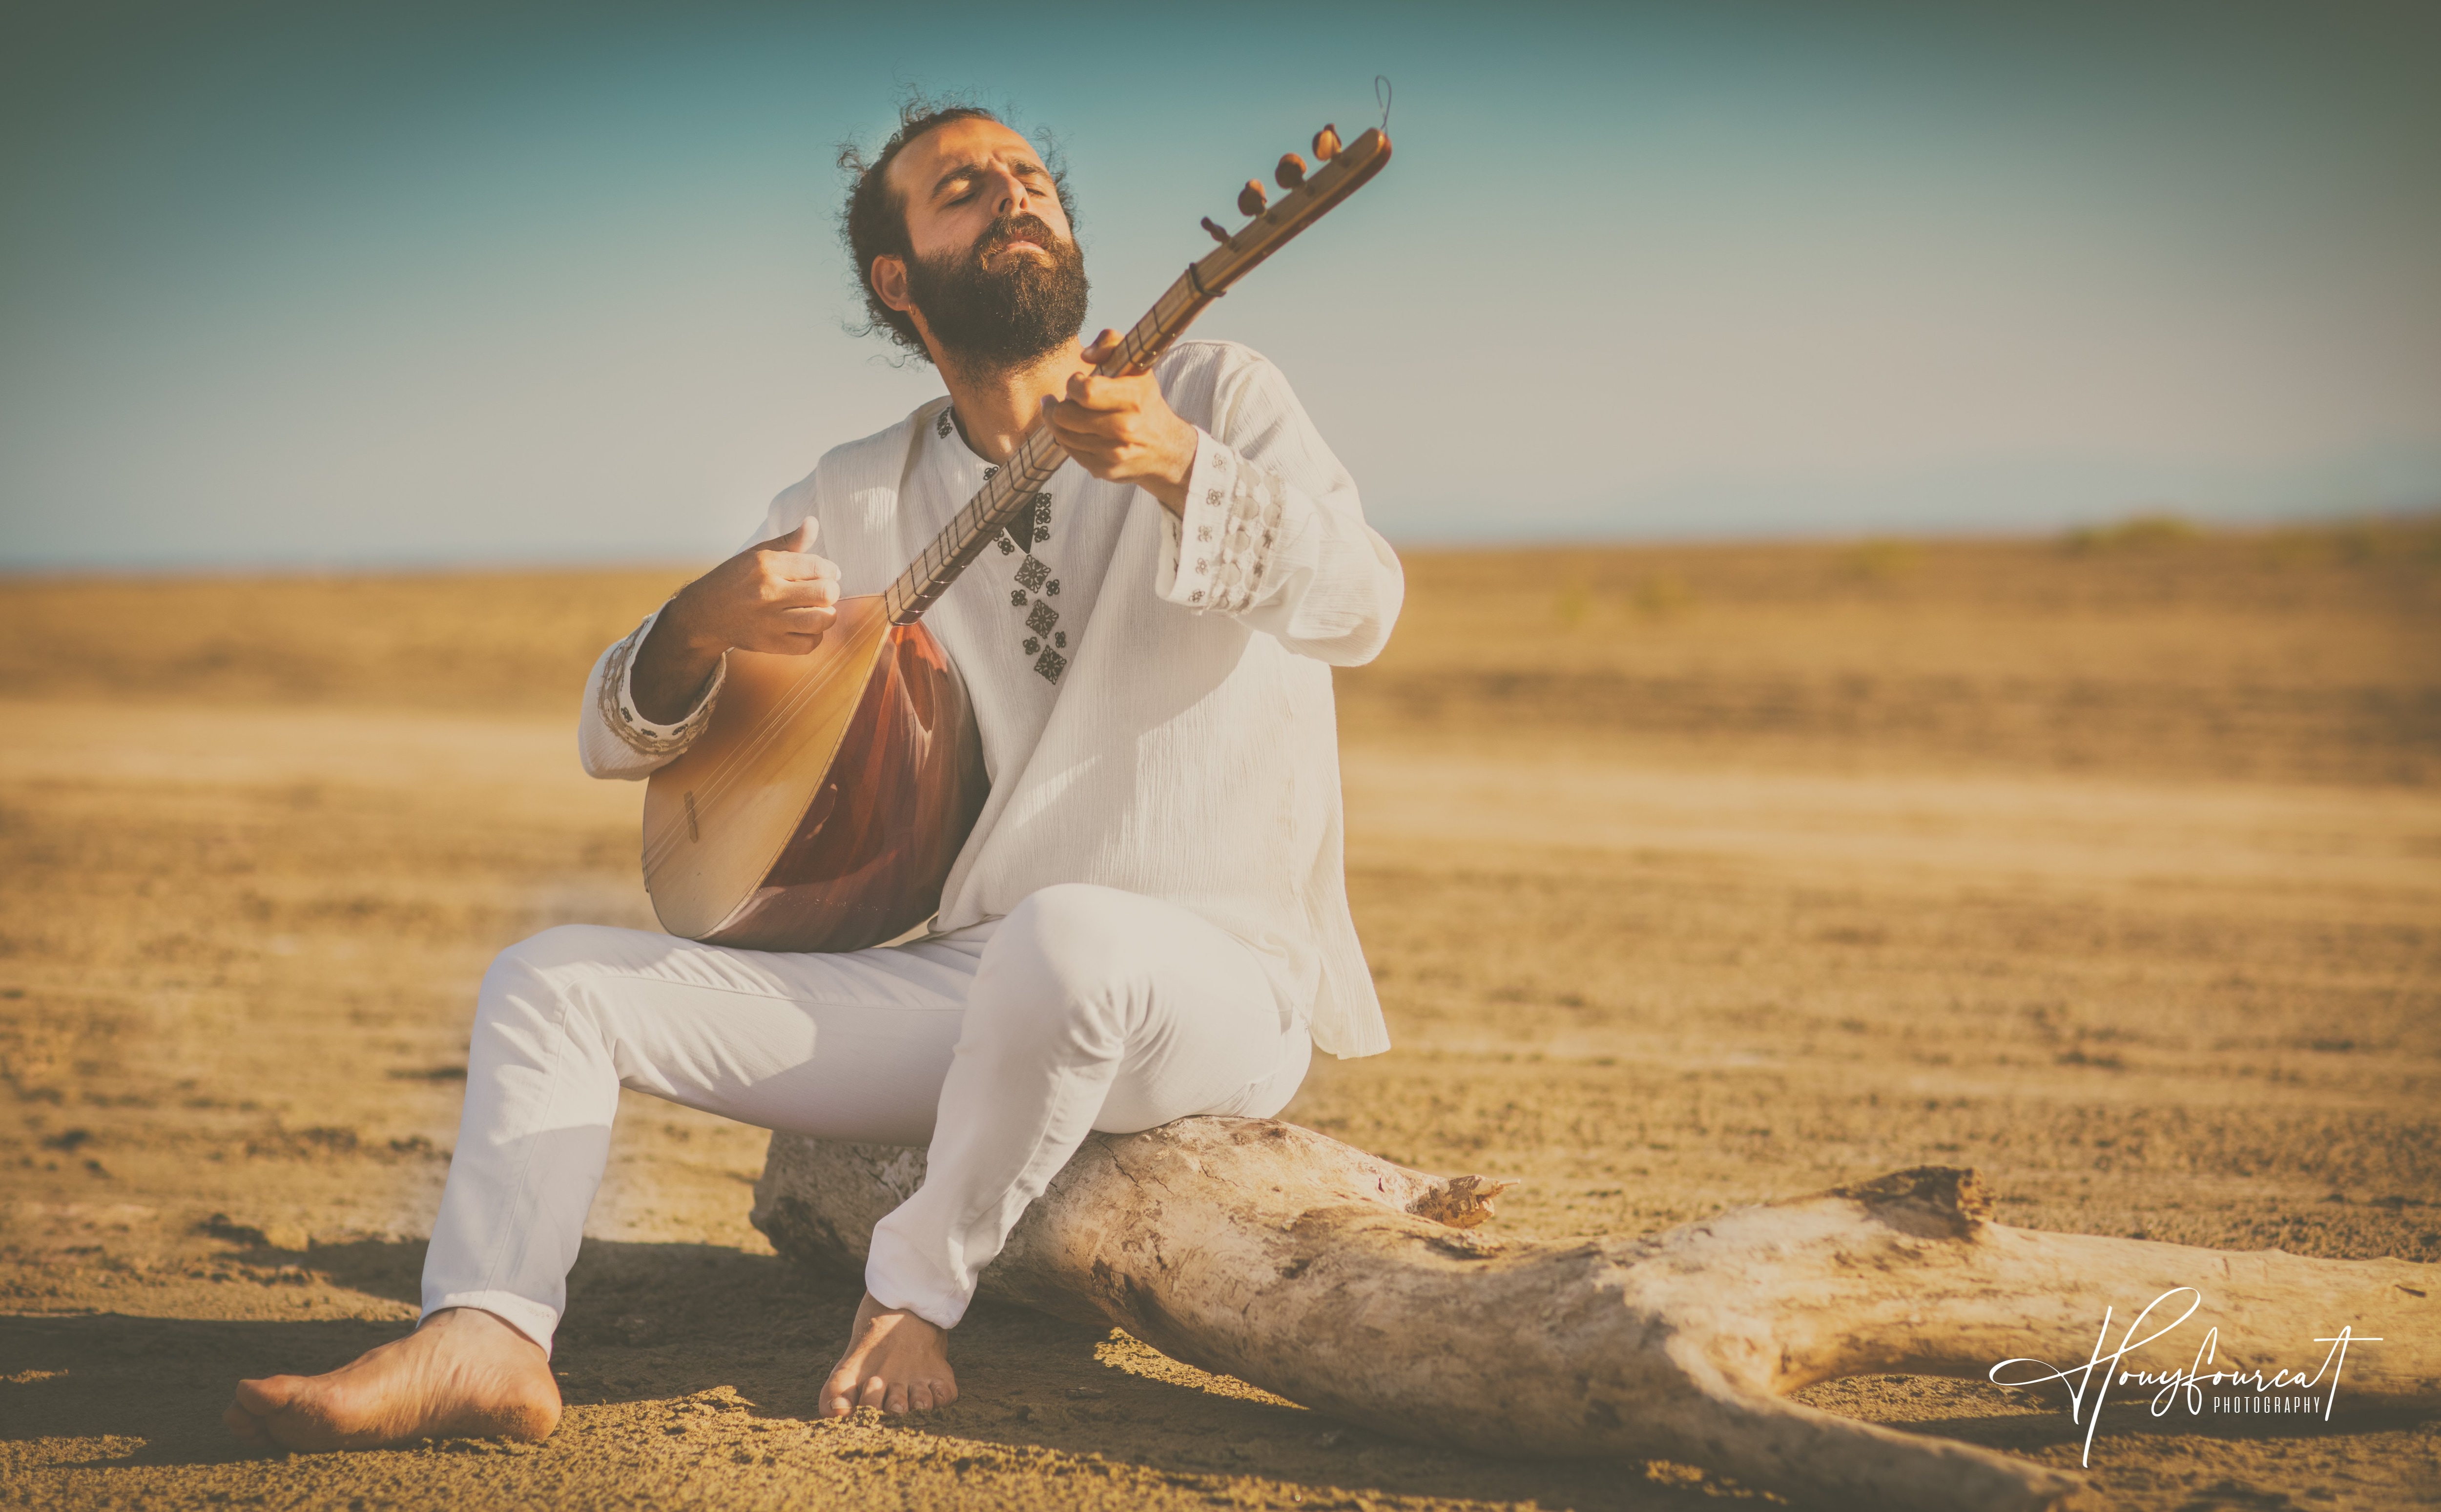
(799, 539)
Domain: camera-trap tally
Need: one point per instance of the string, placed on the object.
(727, 774)
(1382, 98)
(775, 720)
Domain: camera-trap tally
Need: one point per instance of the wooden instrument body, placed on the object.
(837, 785)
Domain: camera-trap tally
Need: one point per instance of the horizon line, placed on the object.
(14, 574)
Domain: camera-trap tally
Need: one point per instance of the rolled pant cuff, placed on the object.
(526, 1316)
(936, 1305)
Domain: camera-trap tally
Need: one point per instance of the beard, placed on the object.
(1008, 317)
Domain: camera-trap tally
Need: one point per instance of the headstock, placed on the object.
(1311, 191)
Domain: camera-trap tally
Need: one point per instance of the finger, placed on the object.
(783, 643)
(801, 565)
(1098, 426)
(1104, 394)
(1103, 345)
(1088, 450)
(798, 593)
(799, 537)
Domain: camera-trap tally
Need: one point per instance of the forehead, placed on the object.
(919, 166)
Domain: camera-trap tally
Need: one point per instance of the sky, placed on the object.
(386, 285)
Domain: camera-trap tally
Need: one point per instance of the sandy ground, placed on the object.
(1691, 877)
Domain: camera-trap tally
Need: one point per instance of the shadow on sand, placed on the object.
(653, 1325)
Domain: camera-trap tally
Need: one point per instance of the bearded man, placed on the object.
(1150, 920)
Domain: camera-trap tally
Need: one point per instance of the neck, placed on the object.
(995, 407)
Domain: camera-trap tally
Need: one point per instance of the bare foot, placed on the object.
(895, 1360)
(463, 1375)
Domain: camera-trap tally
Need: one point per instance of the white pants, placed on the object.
(999, 1046)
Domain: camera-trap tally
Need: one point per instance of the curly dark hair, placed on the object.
(874, 222)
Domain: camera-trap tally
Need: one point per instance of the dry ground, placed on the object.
(1692, 876)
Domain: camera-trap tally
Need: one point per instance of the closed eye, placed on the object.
(964, 182)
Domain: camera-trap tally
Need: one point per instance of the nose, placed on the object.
(1013, 196)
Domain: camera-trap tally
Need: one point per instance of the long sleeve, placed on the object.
(1272, 533)
(613, 738)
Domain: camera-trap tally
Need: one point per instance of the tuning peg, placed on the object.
(1250, 198)
(1214, 230)
(1292, 171)
(1326, 143)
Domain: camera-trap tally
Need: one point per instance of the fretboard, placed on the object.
(1010, 492)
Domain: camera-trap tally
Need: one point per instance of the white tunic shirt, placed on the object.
(1152, 691)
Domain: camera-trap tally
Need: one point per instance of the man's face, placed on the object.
(997, 276)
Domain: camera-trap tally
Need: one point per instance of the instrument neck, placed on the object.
(1010, 492)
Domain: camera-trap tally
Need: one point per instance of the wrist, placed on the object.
(1170, 485)
(669, 671)
(679, 633)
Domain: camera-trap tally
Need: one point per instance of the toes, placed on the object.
(839, 1394)
(875, 1390)
(919, 1397)
(243, 1424)
(265, 1397)
(896, 1401)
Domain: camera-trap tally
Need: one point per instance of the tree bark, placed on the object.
(1358, 1287)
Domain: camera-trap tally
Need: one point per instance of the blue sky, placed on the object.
(393, 284)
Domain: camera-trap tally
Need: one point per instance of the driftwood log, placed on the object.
(1358, 1287)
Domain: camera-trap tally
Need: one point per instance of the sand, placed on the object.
(1692, 876)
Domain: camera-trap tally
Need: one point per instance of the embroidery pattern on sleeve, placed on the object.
(1250, 503)
(617, 703)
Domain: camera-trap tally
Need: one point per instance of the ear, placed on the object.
(890, 282)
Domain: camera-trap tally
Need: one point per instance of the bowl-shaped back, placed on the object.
(826, 804)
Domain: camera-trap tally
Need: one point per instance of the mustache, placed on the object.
(1022, 225)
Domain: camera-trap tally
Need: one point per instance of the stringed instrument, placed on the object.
(825, 801)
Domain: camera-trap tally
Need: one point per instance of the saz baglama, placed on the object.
(824, 804)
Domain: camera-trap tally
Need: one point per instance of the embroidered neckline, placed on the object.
(1033, 584)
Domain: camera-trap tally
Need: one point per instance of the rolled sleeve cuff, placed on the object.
(628, 723)
(1218, 552)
